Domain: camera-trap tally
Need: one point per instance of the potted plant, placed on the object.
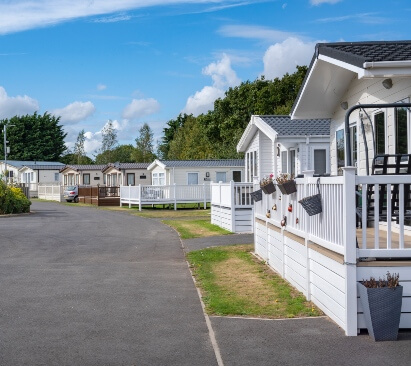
(381, 301)
(286, 183)
(267, 184)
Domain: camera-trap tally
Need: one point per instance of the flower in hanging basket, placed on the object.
(267, 184)
(381, 301)
(286, 183)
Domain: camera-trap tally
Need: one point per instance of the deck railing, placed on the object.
(232, 194)
(171, 194)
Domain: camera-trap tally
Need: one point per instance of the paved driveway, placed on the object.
(80, 286)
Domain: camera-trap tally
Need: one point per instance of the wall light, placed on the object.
(344, 105)
(387, 83)
(207, 174)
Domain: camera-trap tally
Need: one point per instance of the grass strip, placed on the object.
(198, 228)
(234, 282)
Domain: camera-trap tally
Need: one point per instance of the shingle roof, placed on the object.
(128, 165)
(284, 126)
(21, 163)
(84, 167)
(203, 163)
(356, 53)
(42, 167)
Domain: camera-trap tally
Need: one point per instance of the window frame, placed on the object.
(84, 180)
(188, 181)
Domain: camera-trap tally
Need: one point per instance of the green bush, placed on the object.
(12, 200)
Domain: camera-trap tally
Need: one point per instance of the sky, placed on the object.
(147, 61)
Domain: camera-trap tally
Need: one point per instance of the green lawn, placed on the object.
(196, 228)
(234, 282)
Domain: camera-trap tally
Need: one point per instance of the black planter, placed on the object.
(256, 196)
(288, 187)
(268, 188)
(382, 311)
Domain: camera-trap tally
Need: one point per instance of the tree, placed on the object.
(34, 137)
(144, 152)
(121, 153)
(169, 134)
(72, 159)
(79, 150)
(109, 141)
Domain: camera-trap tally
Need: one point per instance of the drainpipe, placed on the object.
(348, 161)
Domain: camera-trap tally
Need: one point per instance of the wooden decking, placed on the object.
(383, 239)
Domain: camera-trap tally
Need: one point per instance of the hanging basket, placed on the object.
(268, 188)
(312, 204)
(257, 195)
(288, 187)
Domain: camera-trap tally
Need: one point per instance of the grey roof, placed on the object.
(84, 167)
(284, 126)
(356, 53)
(203, 163)
(21, 163)
(42, 167)
(127, 166)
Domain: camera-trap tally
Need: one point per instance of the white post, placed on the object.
(307, 174)
(232, 193)
(350, 256)
(175, 198)
(205, 196)
(129, 196)
(139, 197)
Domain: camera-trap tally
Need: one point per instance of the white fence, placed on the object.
(319, 255)
(51, 192)
(172, 194)
(232, 206)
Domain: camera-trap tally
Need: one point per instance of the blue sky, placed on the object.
(137, 61)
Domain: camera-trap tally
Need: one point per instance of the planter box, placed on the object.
(288, 187)
(268, 188)
(382, 311)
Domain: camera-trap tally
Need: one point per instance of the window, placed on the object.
(237, 175)
(320, 161)
(339, 137)
(56, 177)
(114, 180)
(11, 172)
(353, 136)
(192, 178)
(379, 127)
(31, 177)
(284, 162)
(158, 179)
(131, 179)
(292, 162)
(252, 165)
(86, 179)
(401, 133)
(221, 177)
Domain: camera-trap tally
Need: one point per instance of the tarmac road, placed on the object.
(82, 286)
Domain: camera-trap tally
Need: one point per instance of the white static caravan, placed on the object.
(126, 174)
(275, 144)
(194, 172)
(325, 255)
(82, 175)
(31, 172)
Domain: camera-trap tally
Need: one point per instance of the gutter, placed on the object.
(386, 64)
(348, 160)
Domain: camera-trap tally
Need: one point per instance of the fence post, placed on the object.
(307, 228)
(205, 197)
(129, 196)
(139, 197)
(232, 194)
(350, 255)
(175, 197)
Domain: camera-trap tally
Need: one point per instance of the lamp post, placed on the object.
(5, 150)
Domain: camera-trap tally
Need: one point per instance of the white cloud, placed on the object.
(19, 15)
(75, 112)
(223, 76)
(255, 32)
(319, 2)
(283, 57)
(12, 106)
(140, 107)
(101, 87)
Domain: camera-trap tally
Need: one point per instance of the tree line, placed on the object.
(212, 135)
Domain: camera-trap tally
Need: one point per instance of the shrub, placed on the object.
(12, 200)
